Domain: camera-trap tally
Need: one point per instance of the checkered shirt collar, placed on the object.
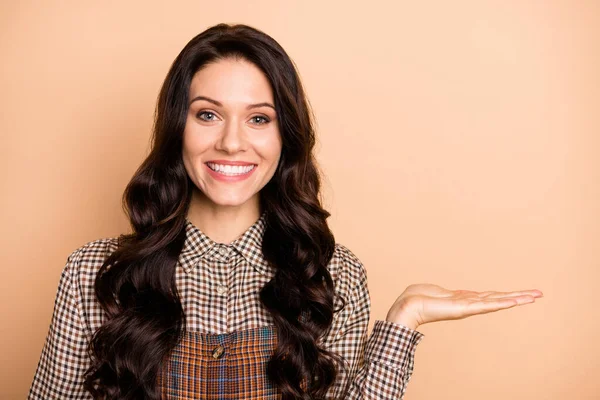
(249, 245)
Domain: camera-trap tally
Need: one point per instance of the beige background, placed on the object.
(460, 142)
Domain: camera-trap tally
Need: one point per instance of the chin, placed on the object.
(228, 201)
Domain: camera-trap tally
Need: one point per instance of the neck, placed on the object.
(223, 224)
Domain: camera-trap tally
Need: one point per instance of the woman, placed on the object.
(231, 284)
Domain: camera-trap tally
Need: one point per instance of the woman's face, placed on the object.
(231, 141)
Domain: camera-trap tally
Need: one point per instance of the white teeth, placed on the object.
(231, 169)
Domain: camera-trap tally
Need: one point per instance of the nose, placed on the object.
(232, 137)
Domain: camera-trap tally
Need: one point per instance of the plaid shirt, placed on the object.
(229, 336)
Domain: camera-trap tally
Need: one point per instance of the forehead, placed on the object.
(232, 81)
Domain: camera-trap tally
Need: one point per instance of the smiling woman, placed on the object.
(232, 284)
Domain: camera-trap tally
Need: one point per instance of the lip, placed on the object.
(233, 178)
(227, 162)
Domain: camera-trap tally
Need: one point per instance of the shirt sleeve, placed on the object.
(63, 361)
(380, 365)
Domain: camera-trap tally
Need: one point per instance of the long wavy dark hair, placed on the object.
(136, 284)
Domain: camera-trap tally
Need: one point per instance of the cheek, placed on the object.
(194, 143)
(270, 148)
(192, 148)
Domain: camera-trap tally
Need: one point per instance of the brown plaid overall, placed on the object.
(221, 366)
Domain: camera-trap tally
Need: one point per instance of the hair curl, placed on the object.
(136, 284)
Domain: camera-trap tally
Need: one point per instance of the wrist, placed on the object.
(400, 314)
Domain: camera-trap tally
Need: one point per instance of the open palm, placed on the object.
(423, 303)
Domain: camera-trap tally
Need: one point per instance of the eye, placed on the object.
(203, 113)
(261, 117)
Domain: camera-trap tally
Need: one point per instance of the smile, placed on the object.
(230, 173)
(231, 170)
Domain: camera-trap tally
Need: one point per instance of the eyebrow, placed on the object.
(218, 103)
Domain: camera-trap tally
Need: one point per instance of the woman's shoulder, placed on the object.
(86, 260)
(93, 252)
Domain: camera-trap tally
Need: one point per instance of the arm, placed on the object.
(380, 365)
(63, 361)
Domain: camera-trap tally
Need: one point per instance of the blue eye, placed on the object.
(205, 112)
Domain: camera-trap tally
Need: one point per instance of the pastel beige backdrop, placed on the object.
(460, 143)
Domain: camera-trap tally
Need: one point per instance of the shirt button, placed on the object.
(218, 352)
(221, 289)
(222, 250)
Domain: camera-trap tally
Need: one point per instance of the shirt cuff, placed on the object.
(392, 344)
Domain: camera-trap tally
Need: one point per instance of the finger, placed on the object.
(496, 295)
(484, 306)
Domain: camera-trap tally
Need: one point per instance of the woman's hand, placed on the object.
(423, 303)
